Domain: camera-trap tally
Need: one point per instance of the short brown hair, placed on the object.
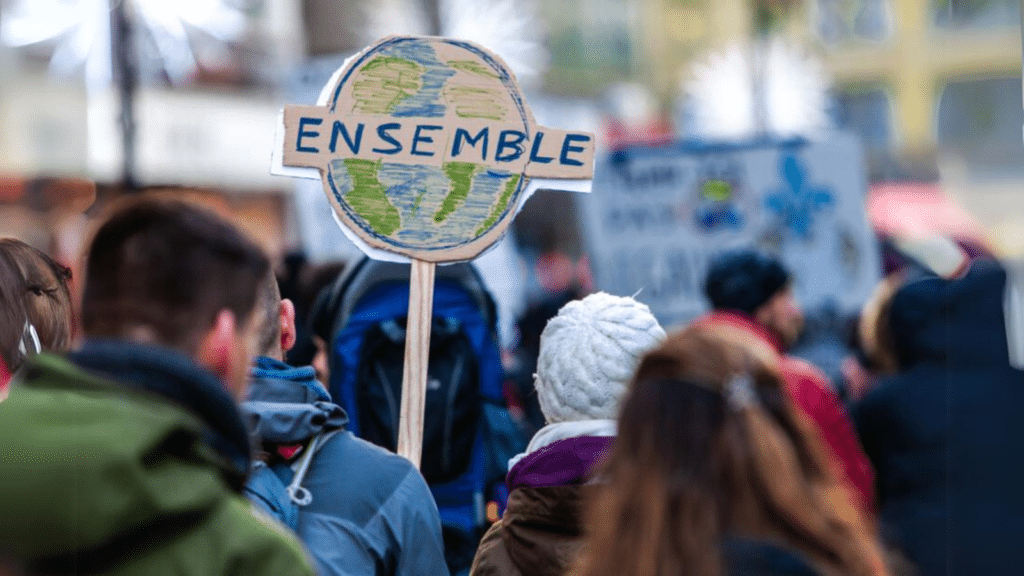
(268, 306)
(33, 290)
(168, 267)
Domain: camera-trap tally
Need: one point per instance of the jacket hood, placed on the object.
(288, 404)
(173, 376)
(959, 321)
(88, 463)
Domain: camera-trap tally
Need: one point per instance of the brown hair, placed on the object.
(167, 268)
(690, 467)
(268, 307)
(35, 297)
(873, 333)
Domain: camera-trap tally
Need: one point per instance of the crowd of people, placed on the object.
(149, 424)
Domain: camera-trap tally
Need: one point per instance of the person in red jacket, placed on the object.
(752, 300)
(5, 377)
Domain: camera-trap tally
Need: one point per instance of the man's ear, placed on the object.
(766, 312)
(287, 312)
(763, 314)
(217, 346)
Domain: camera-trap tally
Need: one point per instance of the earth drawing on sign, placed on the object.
(425, 146)
(423, 206)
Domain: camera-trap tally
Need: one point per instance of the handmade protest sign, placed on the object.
(426, 149)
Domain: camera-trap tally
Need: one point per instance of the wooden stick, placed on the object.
(417, 355)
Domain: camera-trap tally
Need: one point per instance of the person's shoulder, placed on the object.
(912, 388)
(807, 384)
(364, 457)
(255, 543)
(233, 539)
(92, 414)
(54, 384)
(749, 557)
(492, 556)
(796, 367)
(354, 480)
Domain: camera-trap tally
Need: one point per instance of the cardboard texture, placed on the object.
(425, 147)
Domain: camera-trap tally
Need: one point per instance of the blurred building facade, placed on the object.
(901, 68)
(206, 94)
(932, 87)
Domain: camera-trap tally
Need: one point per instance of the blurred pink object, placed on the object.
(938, 253)
(557, 273)
(900, 210)
(5, 378)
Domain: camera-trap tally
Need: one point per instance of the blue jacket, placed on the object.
(371, 512)
(946, 434)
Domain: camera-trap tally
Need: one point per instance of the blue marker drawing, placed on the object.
(798, 203)
(427, 102)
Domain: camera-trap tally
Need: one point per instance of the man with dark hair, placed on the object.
(753, 301)
(358, 508)
(129, 455)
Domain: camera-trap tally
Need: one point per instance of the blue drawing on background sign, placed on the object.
(798, 203)
(717, 210)
(718, 195)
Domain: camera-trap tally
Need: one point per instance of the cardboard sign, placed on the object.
(425, 147)
(662, 214)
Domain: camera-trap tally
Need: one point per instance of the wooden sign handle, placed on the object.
(417, 355)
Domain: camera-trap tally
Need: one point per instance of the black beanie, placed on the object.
(744, 281)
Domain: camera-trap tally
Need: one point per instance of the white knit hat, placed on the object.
(588, 354)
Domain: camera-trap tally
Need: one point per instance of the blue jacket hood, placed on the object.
(287, 404)
(959, 322)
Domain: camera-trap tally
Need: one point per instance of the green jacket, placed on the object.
(96, 477)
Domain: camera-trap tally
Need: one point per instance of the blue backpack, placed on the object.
(469, 434)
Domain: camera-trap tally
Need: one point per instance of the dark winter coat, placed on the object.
(541, 532)
(946, 435)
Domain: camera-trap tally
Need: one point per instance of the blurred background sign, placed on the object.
(659, 215)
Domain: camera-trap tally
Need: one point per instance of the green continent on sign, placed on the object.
(475, 102)
(510, 188)
(367, 196)
(473, 67)
(416, 203)
(383, 82)
(461, 175)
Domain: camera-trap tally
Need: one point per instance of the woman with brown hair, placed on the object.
(713, 473)
(35, 304)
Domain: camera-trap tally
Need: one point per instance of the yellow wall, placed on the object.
(913, 64)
